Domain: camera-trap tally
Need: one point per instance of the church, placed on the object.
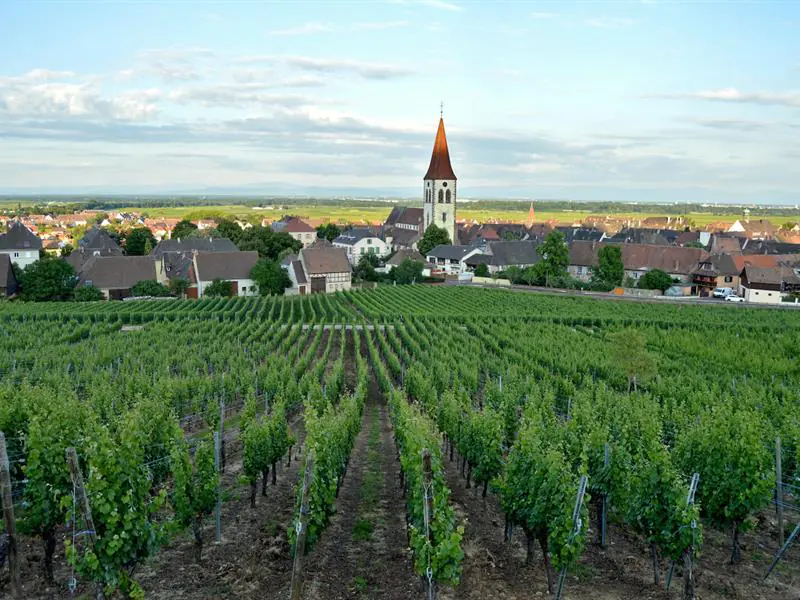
(406, 225)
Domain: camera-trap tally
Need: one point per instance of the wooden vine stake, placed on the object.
(302, 530)
(427, 482)
(8, 517)
(83, 502)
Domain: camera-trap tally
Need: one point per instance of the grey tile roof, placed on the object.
(98, 239)
(19, 237)
(405, 215)
(403, 237)
(450, 252)
(191, 244)
(353, 236)
(403, 254)
(323, 260)
(299, 273)
(225, 265)
(8, 283)
(506, 254)
(117, 272)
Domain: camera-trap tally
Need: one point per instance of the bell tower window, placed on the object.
(441, 196)
(447, 196)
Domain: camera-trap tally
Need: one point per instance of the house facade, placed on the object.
(450, 260)
(297, 228)
(768, 285)
(326, 269)
(20, 244)
(361, 242)
(234, 267)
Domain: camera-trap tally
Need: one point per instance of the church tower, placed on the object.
(439, 188)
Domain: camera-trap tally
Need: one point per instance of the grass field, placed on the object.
(374, 215)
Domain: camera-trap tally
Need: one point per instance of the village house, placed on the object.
(234, 267)
(768, 285)
(638, 259)
(8, 281)
(324, 268)
(194, 244)
(758, 229)
(294, 268)
(298, 229)
(403, 227)
(499, 256)
(114, 276)
(449, 259)
(361, 242)
(20, 244)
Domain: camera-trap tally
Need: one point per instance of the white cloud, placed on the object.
(306, 29)
(367, 70)
(791, 99)
(609, 22)
(439, 4)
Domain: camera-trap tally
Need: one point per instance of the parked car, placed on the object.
(734, 298)
(722, 292)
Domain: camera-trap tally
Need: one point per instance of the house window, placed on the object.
(244, 290)
(369, 240)
(16, 254)
(728, 278)
(441, 196)
(362, 251)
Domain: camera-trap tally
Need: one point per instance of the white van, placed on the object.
(722, 292)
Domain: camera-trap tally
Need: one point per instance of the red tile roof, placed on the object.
(295, 225)
(440, 167)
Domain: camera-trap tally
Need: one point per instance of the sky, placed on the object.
(644, 100)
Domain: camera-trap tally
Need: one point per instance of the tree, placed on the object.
(328, 231)
(272, 279)
(66, 250)
(365, 268)
(88, 293)
(555, 259)
(219, 288)
(482, 270)
(630, 352)
(655, 280)
(229, 230)
(137, 240)
(433, 236)
(789, 225)
(610, 269)
(267, 243)
(48, 279)
(195, 494)
(408, 271)
(100, 217)
(183, 229)
(694, 245)
(150, 288)
(178, 286)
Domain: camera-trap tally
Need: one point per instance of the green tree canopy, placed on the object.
(555, 259)
(266, 242)
(219, 288)
(408, 271)
(433, 236)
(88, 293)
(230, 230)
(66, 250)
(610, 269)
(150, 288)
(178, 286)
(137, 241)
(655, 280)
(272, 279)
(328, 231)
(184, 229)
(48, 279)
(482, 270)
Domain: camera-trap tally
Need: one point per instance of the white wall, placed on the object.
(22, 258)
(242, 284)
(442, 215)
(762, 296)
(306, 238)
(362, 248)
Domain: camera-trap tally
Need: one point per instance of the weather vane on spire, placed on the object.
(441, 109)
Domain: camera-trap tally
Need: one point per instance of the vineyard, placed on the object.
(403, 442)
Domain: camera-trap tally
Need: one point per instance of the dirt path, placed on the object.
(363, 553)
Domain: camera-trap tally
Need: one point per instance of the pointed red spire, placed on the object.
(530, 216)
(440, 167)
